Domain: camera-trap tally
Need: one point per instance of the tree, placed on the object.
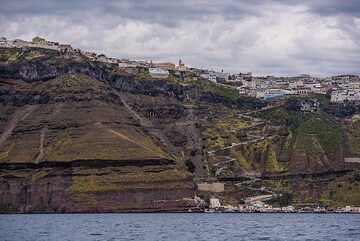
(190, 166)
(284, 199)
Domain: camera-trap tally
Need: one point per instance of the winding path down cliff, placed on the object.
(17, 117)
(255, 138)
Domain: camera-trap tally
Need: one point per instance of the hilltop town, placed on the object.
(344, 87)
(83, 132)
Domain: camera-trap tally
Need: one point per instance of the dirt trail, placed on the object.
(41, 146)
(144, 122)
(154, 131)
(258, 122)
(255, 138)
(193, 143)
(17, 117)
(125, 137)
(262, 109)
(260, 198)
(128, 139)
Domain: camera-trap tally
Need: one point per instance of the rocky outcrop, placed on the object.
(45, 68)
(214, 98)
(342, 110)
(311, 104)
(304, 105)
(148, 87)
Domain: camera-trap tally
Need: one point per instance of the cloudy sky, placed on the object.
(272, 37)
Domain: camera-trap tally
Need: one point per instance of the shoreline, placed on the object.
(129, 212)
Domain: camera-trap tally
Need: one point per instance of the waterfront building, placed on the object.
(211, 187)
(214, 203)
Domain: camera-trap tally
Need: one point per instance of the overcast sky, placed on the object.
(273, 37)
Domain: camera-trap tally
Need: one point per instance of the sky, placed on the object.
(270, 37)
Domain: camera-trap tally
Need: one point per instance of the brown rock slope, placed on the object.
(69, 144)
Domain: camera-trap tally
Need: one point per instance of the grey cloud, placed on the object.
(268, 37)
(164, 12)
(335, 7)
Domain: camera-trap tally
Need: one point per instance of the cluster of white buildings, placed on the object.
(36, 42)
(215, 205)
(214, 76)
(345, 88)
(341, 87)
(341, 95)
(258, 206)
(156, 70)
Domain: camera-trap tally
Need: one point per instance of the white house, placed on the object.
(295, 84)
(214, 203)
(222, 75)
(102, 58)
(345, 94)
(209, 75)
(158, 73)
(3, 42)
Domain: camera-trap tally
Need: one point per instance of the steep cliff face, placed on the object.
(318, 147)
(309, 139)
(101, 189)
(79, 136)
(71, 144)
(48, 64)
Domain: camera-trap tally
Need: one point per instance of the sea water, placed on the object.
(177, 226)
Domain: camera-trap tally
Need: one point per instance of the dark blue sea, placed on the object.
(180, 227)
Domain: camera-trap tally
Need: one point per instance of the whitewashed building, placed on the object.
(3, 42)
(209, 75)
(345, 79)
(158, 73)
(214, 203)
(345, 94)
(102, 58)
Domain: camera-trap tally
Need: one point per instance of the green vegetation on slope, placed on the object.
(353, 141)
(9, 55)
(343, 191)
(223, 91)
(328, 133)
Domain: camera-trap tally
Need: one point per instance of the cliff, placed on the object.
(82, 136)
(70, 143)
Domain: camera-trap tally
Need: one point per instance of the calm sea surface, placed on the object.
(180, 227)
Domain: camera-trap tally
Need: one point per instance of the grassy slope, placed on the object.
(230, 93)
(353, 138)
(8, 55)
(79, 124)
(343, 191)
(307, 133)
